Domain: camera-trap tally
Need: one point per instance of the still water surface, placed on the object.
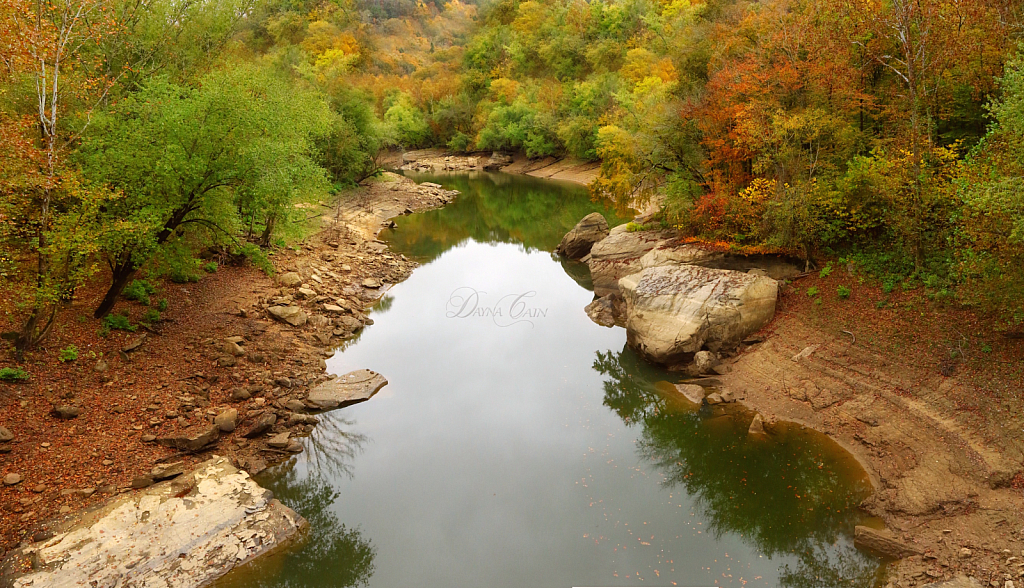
(518, 444)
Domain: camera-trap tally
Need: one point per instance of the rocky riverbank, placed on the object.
(947, 483)
(235, 367)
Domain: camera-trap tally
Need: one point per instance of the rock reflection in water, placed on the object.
(787, 494)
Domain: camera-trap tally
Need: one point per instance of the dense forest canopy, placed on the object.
(889, 133)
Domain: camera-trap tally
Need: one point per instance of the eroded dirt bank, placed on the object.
(944, 452)
(88, 429)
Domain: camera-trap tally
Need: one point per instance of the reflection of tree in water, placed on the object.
(331, 447)
(497, 209)
(331, 554)
(384, 304)
(786, 494)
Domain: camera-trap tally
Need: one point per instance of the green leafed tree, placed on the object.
(232, 155)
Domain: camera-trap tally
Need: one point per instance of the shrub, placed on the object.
(812, 291)
(210, 267)
(69, 353)
(116, 322)
(151, 316)
(161, 304)
(9, 374)
(139, 290)
(825, 271)
(844, 292)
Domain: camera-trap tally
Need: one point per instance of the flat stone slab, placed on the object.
(182, 533)
(351, 388)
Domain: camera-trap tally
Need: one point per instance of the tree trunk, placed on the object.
(123, 272)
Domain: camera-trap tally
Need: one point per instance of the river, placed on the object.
(518, 444)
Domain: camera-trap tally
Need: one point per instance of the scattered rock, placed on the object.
(226, 420)
(148, 438)
(307, 293)
(101, 365)
(232, 348)
(965, 552)
(957, 582)
(293, 315)
(346, 390)
(240, 393)
(301, 419)
(756, 425)
(166, 471)
(371, 283)
(134, 344)
(290, 279)
(236, 339)
(579, 241)
(141, 482)
(714, 398)
(294, 405)
(279, 441)
(692, 392)
(66, 412)
(334, 308)
(12, 479)
(5, 435)
(262, 424)
(882, 542)
(227, 361)
(39, 488)
(191, 443)
(703, 361)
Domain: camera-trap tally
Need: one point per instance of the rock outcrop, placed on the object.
(675, 311)
(578, 242)
(182, 533)
(618, 255)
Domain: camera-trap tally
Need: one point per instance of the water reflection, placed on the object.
(497, 208)
(509, 457)
(795, 492)
(331, 553)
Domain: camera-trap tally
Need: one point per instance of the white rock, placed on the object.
(675, 311)
(155, 538)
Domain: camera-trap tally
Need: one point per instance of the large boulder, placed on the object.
(672, 312)
(346, 390)
(618, 255)
(579, 241)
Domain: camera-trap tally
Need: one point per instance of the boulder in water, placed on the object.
(675, 311)
(580, 240)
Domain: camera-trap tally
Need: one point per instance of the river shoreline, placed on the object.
(965, 515)
(984, 516)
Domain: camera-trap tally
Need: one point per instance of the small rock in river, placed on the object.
(756, 426)
(714, 398)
